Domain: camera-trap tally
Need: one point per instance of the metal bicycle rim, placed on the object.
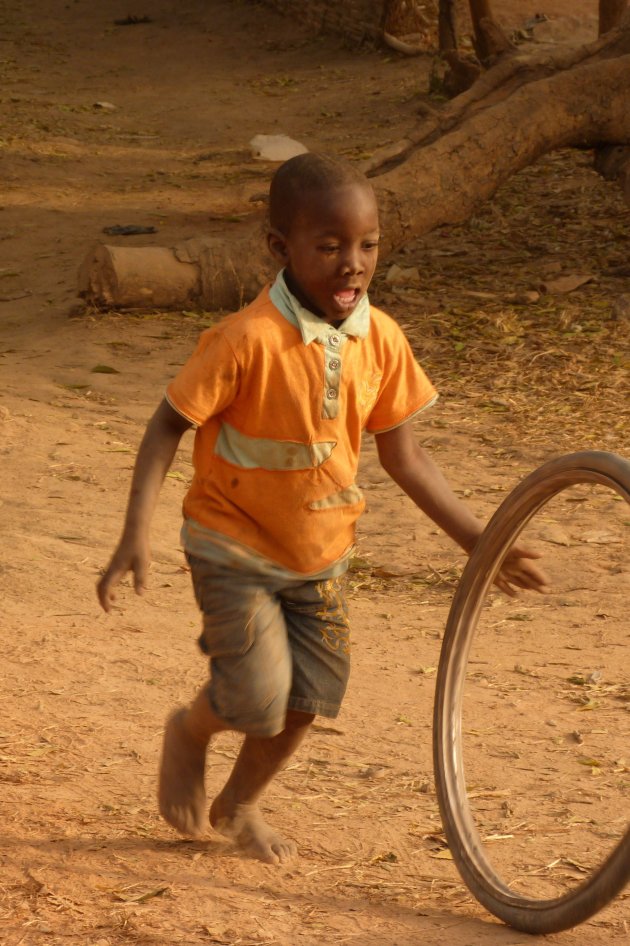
(523, 913)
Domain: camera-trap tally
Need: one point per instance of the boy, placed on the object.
(280, 393)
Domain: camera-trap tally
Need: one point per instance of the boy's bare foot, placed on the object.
(245, 825)
(181, 792)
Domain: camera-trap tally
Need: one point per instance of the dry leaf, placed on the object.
(566, 283)
(555, 535)
(594, 537)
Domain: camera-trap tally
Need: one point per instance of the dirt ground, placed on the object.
(84, 857)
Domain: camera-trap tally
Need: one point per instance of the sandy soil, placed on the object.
(84, 857)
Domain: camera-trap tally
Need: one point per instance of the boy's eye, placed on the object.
(329, 248)
(370, 245)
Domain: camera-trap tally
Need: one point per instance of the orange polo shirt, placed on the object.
(279, 424)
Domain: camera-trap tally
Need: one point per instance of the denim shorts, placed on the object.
(274, 644)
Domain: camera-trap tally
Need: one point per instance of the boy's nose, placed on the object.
(352, 263)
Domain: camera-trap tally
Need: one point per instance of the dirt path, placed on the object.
(84, 858)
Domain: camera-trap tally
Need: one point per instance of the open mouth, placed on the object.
(347, 298)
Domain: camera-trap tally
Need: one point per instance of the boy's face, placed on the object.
(331, 250)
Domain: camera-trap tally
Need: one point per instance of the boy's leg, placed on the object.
(244, 635)
(317, 623)
(235, 812)
(315, 614)
(181, 791)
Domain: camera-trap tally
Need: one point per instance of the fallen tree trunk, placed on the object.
(203, 272)
(457, 159)
(446, 180)
(496, 85)
(120, 276)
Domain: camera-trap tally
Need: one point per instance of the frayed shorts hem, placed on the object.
(268, 728)
(314, 707)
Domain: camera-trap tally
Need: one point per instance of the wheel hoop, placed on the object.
(529, 915)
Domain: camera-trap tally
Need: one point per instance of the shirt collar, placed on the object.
(311, 327)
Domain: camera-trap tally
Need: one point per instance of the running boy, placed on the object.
(280, 393)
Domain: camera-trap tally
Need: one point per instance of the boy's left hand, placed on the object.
(518, 571)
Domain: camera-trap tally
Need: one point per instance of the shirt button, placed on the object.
(334, 340)
(331, 394)
(333, 364)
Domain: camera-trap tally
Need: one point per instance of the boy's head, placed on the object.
(324, 230)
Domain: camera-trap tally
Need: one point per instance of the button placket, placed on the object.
(332, 374)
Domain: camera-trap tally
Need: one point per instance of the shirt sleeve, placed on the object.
(405, 390)
(208, 381)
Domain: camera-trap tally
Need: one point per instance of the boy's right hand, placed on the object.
(161, 439)
(131, 557)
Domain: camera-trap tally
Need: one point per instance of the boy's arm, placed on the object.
(155, 455)
(411, 467)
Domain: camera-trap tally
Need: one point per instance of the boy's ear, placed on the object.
(277, 245)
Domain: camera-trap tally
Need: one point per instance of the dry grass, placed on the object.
(557, 365)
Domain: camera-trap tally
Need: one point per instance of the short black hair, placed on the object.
(304, 176)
